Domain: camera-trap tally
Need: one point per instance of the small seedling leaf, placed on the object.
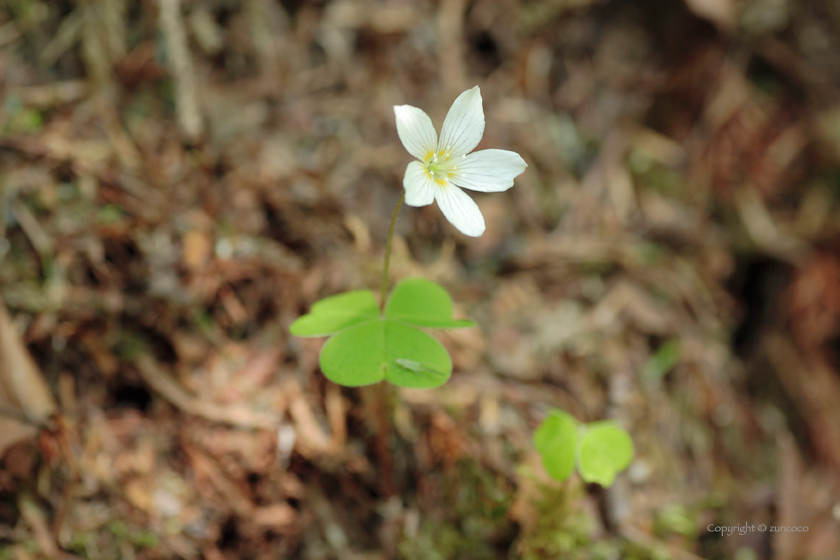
(555, 440)
(604, 450)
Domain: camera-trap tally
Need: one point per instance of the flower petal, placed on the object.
(415, 130)
(460, 210)
(419, 187)
(464, 124)
(488, 170)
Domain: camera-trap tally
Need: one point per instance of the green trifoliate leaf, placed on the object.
(604, 450)
(336, 313)
(555, 439)
(421, 302)
(382, 349)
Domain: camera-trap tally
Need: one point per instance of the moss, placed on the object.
(475, 527)
(144, 539)
(566, 532)
(676, 519)
(562, 529)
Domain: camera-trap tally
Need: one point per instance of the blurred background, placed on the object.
(180, 180)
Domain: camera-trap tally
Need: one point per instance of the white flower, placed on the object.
(445, 164)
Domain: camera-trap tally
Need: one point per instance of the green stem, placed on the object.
(380, 392)
(384, 289)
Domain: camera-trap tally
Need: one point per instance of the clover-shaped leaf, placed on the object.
(555, 440)
(422, 303)
(335, 313)
(604, 450)
(366, 348)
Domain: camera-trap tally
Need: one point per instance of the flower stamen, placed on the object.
(440, 167)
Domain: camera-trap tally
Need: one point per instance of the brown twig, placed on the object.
(186, 96)
(169, 389)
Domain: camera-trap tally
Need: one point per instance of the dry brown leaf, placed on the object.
(277, 515)
(207, 469)
(814, 302)
(815, 391)
(197, 248)
(632, 304)
(312, 439)
(337, 414)
(804, 498)
(719, 12)
(446, 441)
(37, 521)
(22, 388)
(764, 231)
(14, 431)
(258, 370)
(828, 127)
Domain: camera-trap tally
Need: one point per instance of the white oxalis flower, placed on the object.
(445, 164)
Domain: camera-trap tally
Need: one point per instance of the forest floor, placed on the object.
(179, 181)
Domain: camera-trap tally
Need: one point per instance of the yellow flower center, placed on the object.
(440, 166)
